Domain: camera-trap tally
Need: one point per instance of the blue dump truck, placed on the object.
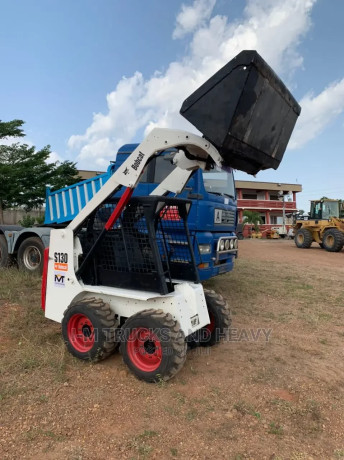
(244, 111)
(212, 219)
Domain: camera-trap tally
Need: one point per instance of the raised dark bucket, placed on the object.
(246, 112)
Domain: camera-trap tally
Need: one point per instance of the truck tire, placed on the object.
(333, 240)
(153, 345)
(31, 255)
(4, 258)
(303, 238)
(220, 321)
(89, 329)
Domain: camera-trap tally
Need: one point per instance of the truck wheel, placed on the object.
(333, 240)
(4, 259)
(30, 255)
(303, 238)
(88, 329)
(220, 320)
(153, 345)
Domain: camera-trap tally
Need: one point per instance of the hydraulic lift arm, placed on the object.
(128, 175)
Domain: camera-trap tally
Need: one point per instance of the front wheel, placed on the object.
(220, 321)
(303, 238)
(153, 345)
(30, 255)
(333, 240)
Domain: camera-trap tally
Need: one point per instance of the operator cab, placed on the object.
(325, 209)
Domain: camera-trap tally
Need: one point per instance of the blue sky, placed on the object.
(88, 76)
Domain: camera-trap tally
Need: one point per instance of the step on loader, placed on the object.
(115, 277)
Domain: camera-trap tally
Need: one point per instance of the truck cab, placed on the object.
(213, 217)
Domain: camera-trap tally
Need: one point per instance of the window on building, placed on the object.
(249, 196)
(276, 220)
(274, 196)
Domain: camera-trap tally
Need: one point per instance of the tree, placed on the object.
(25, 172)
(252, 218)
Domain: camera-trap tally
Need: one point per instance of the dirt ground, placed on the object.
(273, 390)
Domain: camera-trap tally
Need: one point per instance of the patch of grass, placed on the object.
(139, 443)
(325, 316)
(179, 397)
(160, 382)
(275, 428)
(171, 410)
(174, 452)
(339, 453)
(265, 374)
(35, 433)
(191, 415)
(246, 409)
(147, 434)
(323, 341)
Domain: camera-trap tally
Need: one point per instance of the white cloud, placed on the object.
(190, 17)
(54, 157)
(273, 27)
(317, 112)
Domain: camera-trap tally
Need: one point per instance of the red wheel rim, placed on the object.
(80, 332)
(211, 326)
(144, 349)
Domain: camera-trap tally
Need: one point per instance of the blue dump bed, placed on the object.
(64, 204)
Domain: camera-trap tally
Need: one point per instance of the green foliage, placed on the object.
(27, 221)
(252, 218)
(40, 220)
(25, 171)
(11, 129)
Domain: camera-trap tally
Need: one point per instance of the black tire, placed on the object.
(321, 245)
(4, 258)
(85, 319)
(30, 256)
(153, 345)
(333, 240)
(303, 238)
(220, 317)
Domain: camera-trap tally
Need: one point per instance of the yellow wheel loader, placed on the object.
(325, 226)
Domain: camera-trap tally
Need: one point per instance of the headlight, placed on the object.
(227, 244)
(204, 248)
(235, 243)
(222, 245)
(231, 244)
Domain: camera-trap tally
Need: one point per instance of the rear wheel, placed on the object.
(30, 255)
(153, 345)
(333, 240)
(220, 321)
(88, 329)
(4, 258)
(303, 238)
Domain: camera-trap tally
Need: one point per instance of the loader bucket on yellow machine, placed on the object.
(246, 112)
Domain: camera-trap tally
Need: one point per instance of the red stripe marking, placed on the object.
(119, 208)
(44, 277)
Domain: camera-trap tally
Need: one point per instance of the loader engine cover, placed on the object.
(246, 112)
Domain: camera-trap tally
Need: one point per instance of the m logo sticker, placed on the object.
(59, 279)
